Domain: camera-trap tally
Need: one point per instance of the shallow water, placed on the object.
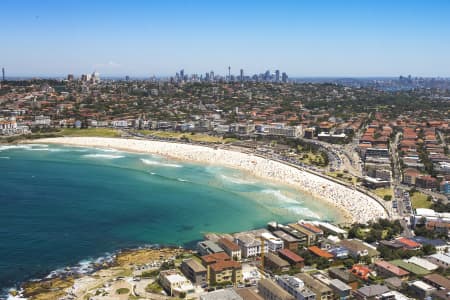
(62, 205)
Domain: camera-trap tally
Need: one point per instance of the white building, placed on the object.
(250, 244)
(274, 244)
(42, 121)
(119, 123)
(280, 129)
(175, 283)
(442, 260)
(423, 263)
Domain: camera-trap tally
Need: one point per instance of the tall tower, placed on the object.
(241, 77)
(3, 74)
(229, 73)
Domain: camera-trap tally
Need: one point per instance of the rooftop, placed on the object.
(412, 268)
(392, 268)
(215, 257)
(291, 255)
(319, 252)
(287, 237)
(195, 265)
(227, 294)
(373, 290)
(229, 244)
(439, 280)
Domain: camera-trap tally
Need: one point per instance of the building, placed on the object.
(423, 263)
(358, 249)
(332, 229)
(410, 175)
(250, 244)
(289, 241)
(441, 246)
(208, 247)
(249, 294)
(320, 253)
(344, 276)
(408, 244)
(174, 283)
(269, 290)
(420, 289)
(442, 260)
(222, 269)
(361, 271)
(341, 290)
(295, 287)
(194, 271)
(230, 248)
(295, 260)
(275, 263)
(322, 291)
(210, 259)
(225, 271)
(42, 121)
(370, 292)
(410, 267)
(300, 236)
(437, 281)
(311, 236)
(226, 294)
(274, 243)
(385, 269)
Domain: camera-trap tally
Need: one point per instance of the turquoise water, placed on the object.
(61, 205)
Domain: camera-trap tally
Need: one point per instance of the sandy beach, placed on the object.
(355, 205)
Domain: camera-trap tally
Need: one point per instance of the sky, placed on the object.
(318, 38)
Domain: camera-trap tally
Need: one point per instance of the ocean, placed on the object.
(65, 206)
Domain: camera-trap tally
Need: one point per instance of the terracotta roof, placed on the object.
(223, 265)
(392, 268)
(215, 257)
(409, 243)
(229, 244)
(319, 252)
(291, 255)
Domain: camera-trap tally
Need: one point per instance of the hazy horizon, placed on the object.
(302, 38)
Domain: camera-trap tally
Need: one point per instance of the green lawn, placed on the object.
(419, 199)
(90, 132)
(197, 137)
(381, 192)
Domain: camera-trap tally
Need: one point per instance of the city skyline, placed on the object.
(324, 39)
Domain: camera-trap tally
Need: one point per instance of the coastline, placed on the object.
(354, 205)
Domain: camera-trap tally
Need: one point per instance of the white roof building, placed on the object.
(423, 263)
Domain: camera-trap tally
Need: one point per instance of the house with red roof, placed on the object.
(319, 252)
(361, 271)
(386, 269)
(409, 244)
(291, 257)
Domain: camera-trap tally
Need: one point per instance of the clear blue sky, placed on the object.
(302, 38)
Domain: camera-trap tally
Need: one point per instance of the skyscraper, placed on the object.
(229, 73)
(70, 77)
(3, 74)
(284, 77)
(182, 74)
(241, 77)
(277, 75)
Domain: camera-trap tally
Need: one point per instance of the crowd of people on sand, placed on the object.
(361, 207)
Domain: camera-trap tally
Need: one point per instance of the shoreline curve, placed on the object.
(354, 205)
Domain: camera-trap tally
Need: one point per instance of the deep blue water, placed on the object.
(60, 205)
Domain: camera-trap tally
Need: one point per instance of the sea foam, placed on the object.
(236, 180)
(157, 163)
(104, 156)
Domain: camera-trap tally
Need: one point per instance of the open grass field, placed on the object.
(90, 132)
(197, 137)
(419, 199)
(381, 192)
